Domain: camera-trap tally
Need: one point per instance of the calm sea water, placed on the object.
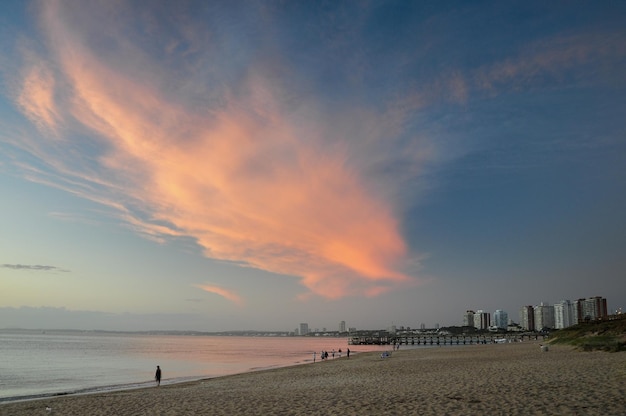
(36, 365)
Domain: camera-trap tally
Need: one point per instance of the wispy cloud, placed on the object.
(240, 176)
(193, 139)
(223, 292)
(37, 96)
(34, 267)
(560, 59)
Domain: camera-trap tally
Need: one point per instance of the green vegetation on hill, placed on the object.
(596, 335)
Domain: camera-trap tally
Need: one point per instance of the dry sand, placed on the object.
(500, 379)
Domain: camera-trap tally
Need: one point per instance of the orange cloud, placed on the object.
(243, 179)
(225, 293)
(240, 168)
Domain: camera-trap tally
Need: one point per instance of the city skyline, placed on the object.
(252, 165)
(501, 319)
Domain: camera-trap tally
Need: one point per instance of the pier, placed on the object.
(384, 338)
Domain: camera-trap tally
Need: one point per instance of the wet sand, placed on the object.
(495, 379)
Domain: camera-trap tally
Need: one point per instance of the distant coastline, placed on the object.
(162, 332)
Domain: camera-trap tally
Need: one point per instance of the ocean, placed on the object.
(41, 364)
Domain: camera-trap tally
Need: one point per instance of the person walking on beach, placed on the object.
(157, 376)
(348, 353)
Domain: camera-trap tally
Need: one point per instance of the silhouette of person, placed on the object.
(348, 352)
(157, 376)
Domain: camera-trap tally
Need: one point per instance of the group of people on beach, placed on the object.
(324, 354)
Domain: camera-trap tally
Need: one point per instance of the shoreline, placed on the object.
(135, 386)
(497, 379)
(167, 382)
(54, 365)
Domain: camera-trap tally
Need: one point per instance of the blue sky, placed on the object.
(254, 165)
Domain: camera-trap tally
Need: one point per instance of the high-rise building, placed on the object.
(591, 309)
(565, 314)
(527, 318)
(342, 326)
(500, 319)
(468, 318)
(482, 319)
(304, 328)
(544, 316)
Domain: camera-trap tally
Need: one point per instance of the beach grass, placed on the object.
(606, 335)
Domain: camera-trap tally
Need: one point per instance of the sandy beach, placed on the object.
(496, 379)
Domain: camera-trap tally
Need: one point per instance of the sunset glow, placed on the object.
(306, 161)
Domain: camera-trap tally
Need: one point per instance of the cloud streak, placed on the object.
(583, 57)
(223, 292)
(33, 267)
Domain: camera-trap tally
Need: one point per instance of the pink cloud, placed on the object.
(240, 179)
(249, 177)
(36, 98)
(225, 293)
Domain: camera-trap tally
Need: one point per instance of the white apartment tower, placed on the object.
(565, 314)
(544, 316)
(304, 328)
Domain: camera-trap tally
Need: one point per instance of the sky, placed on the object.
(252, 165)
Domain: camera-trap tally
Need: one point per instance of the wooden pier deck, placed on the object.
(434, 339)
